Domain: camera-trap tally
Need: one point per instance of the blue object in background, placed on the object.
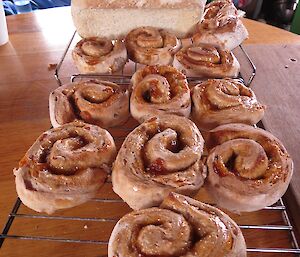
(236, 2)
(44, 4)
(10, 8)
(22, 6)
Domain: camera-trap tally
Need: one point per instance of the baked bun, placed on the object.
(65, 167)
(151, 46)
(102, 103)
(181, 226)
(158, 90)
(206, 61)
(99, 55)
(223, 101)
(161, 155)
(221, 26)
(114, 19)
(248, 167)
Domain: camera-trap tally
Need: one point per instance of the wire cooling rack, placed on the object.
(19, 212)
(84, 230)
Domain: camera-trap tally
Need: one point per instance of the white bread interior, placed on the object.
(91, 20)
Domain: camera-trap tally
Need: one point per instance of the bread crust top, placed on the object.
(136, 4)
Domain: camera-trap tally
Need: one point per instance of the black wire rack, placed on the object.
(19, 212)
(267, 229)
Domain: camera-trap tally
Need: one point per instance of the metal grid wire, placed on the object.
(15, 212)
(279, 206)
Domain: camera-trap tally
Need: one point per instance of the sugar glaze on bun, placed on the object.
(248, 168)
(65, 167)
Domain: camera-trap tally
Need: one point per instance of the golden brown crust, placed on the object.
(151, 46)
(99, 55)
(219, 17)
(205, 60)
(222, 101)
(249, 168)
(65, 167)
(159, 156)
(181, 226)
(221, 26)
(153, 4)
(159, 90)
(102, 103)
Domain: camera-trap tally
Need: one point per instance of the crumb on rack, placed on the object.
(52, 66)
(85, 226)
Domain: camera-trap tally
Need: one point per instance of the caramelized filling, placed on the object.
(219, 168)
(147, 96)
(230, 163)
(157, 168)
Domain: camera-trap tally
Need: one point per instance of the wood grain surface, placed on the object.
(38, 39)
(277, 85)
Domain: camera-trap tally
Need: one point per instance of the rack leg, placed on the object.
(10, 220)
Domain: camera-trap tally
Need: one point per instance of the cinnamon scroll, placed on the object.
(181, 226)
(203, 60)
(65, 167)
(161, 155)
(221, 26)
(99, 55)
(158, 90)
(248, 167)
(223, 101)
(151, 46)
(102, 103)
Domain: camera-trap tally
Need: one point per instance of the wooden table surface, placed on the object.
(36, 40)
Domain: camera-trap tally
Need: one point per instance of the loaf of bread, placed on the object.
(113, 19)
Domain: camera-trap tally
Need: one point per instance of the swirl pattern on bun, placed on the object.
(248, 168)
(65, 167)
(223, 101)
(181, 226)
(208, 61)
(221, 26)
(97, 102)
(99, 55)
(161, 155)
(159, 90)
(151, 46)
